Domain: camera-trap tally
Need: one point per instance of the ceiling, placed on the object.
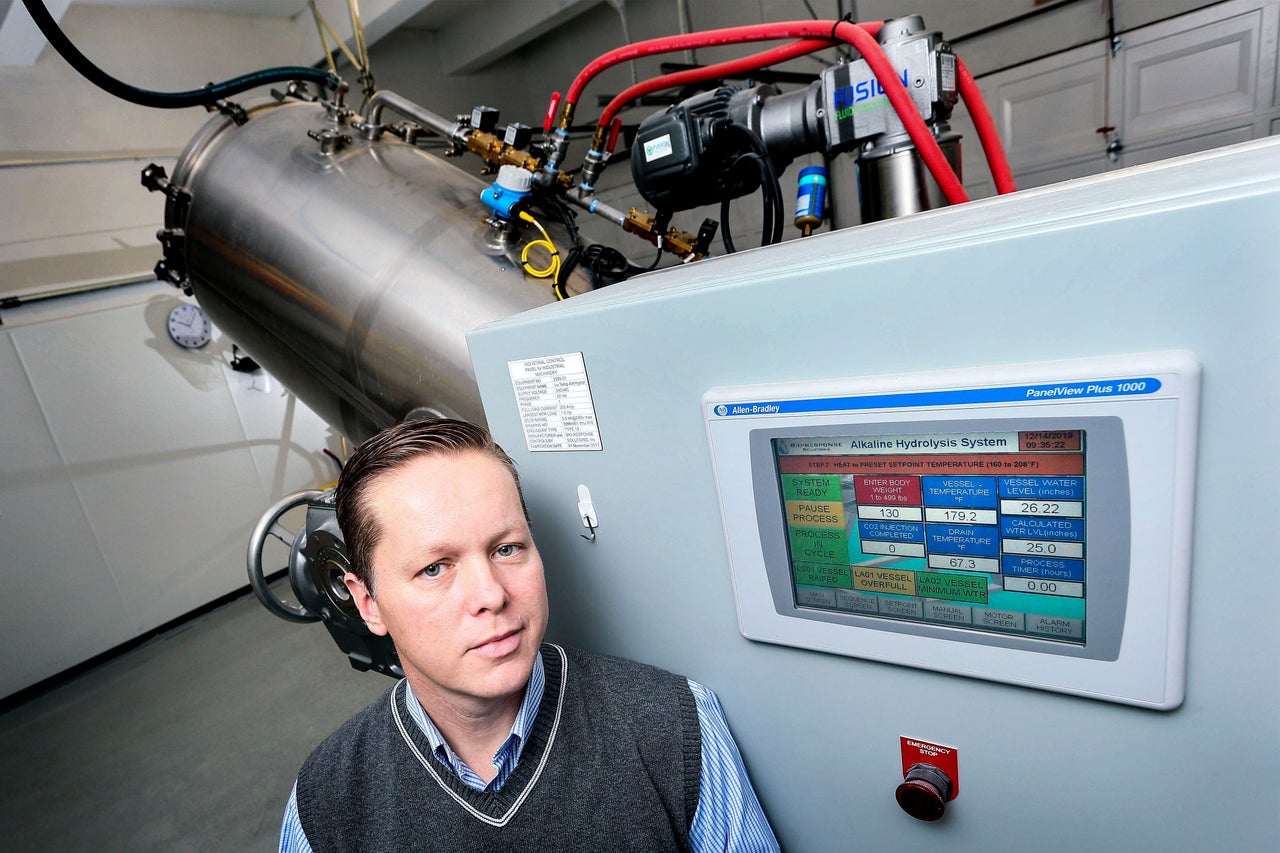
(21, 42)
(270, 8)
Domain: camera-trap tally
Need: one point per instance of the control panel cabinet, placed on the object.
(966, 517)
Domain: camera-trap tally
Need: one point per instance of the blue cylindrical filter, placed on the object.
(811, 198)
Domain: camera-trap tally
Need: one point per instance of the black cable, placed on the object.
(725, 237)
(767, 197)
(166, 100)
(778, 209)
(653, 265)
(771, 225)
(770, 190)
(605, 265)
(846, 18)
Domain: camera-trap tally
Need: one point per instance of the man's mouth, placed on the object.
(499, 645)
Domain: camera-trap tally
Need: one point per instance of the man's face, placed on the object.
(458, 581)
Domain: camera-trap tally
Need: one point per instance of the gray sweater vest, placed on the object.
(612, 762)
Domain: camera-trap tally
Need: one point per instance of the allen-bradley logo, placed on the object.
(748, 409)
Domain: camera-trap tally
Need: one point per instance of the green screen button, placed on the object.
(823, 574)
(811, 487)
(971, 589)
(819, 545)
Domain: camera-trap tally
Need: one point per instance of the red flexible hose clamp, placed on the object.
(551, 112)
(614, 130)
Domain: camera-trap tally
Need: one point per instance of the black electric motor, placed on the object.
(700, 151)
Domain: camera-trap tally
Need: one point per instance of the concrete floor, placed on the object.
(190, 742)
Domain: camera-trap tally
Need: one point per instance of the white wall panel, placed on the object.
(974, 172)
(150, 435)
(1052, 112)
(59, 595)
(1061, 171)
(131, 474)
(1163, 150)
(1185, 84)
(285, 437)
(1270, 37)
(1190, 77)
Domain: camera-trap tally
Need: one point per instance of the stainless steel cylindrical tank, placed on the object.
(353, 275)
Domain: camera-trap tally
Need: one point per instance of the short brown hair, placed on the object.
(389, 451)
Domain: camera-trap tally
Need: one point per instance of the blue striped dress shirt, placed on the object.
(729, 817)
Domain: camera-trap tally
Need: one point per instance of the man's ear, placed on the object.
(365, 603)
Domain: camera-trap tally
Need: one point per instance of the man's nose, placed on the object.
(482, 586)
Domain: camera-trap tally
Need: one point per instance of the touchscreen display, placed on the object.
(981, 531)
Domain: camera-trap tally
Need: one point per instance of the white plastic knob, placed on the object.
(515, 179)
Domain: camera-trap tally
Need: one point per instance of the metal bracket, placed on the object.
(331, 141)
(230, 109)
(297, 90)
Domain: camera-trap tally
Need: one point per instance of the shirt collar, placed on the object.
(508, 755)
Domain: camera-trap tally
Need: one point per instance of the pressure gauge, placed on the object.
(189, 326)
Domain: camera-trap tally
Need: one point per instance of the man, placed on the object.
(496, 741)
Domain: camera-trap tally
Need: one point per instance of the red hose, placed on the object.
(706, 38)
(861, 36)
(907, 113)
(997, 162)
(613, 135)
(711, 72)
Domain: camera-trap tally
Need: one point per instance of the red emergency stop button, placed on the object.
(924, 793)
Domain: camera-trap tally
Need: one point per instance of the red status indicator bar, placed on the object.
(1039, 464)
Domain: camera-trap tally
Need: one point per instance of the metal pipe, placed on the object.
(17, 301)
(407, 108)
(81, 159)
(588, 202)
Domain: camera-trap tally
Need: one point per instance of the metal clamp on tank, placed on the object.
(173, 240)
(331, 141)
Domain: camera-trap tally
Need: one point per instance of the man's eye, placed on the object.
(433, 570)
(508, 550)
